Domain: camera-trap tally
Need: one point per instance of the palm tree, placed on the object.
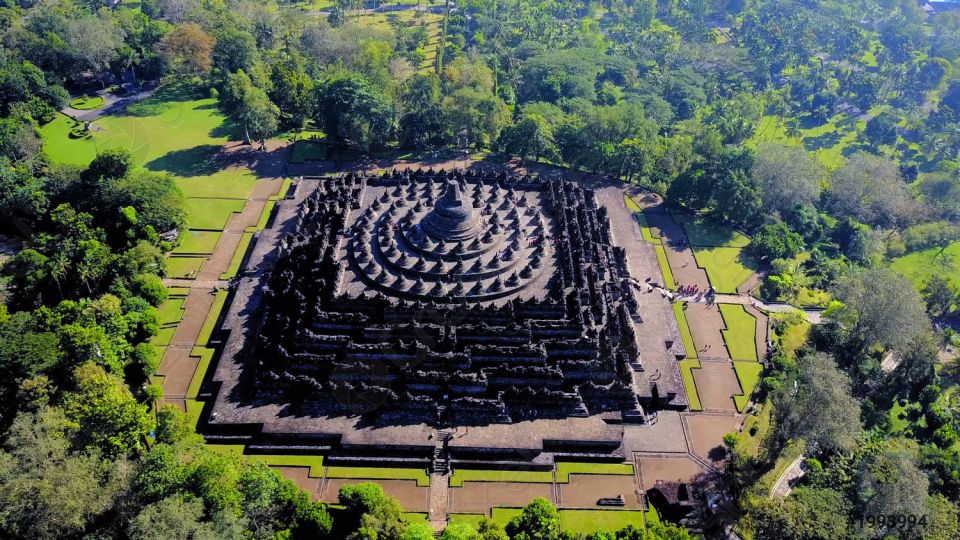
(793, 129)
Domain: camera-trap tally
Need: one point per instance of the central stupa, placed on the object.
(453, 218)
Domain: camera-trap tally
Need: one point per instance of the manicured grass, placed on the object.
(645, 231)
(208, 324)
(690, 383)
(460, 476)
(87, 103)
(414, 517)
(164, 126)
(726, 267)
(211, 214)
(308, 150)
(314, 462)
(194, 410)
(919, 266)
(230, 183)
(178, 291)
(238, 256)
(685, 335)
(205, 356)
(171, 311)
(380, 473)
(631, 205)
(748, 374)
(589, 521)
(504, 515)
(566, 468)
(184, 267)
(197, 242)
(265, 215)
(472, 519)
(741, 332)
(668, 280)
(703, 233)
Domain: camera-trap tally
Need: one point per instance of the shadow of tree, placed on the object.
(827, 140)
(228, 128)
(197, 161)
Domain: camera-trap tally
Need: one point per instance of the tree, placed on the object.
(822, 410)
(882, 129)
(539, 520)
(880, 307)
(109, 417)
(940, 295)
(156, 197)
(788, 176)
(250, 107)
(294, 91)
(807, 514)
(871, 189)
(890, 483)
(188, 49)
(172, 517)
(422, 121)
(530, 137)
(776, 241)
(369, 512)
(352, 111)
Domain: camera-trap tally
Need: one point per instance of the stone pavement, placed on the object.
(177, 367)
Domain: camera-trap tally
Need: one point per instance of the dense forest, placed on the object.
(729, 108)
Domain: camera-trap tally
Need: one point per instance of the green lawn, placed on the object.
(690, 384)
(380, 473)
(197, 242)
(225, 184)
(204, 357)
(184, 267)
(208, 324)
(589, 521)
(159, 131)
(919, 266)
(265, 214)
(460, 476)
(314, 462)
(749, 375)
(87, 103)
(684, 327)
(830, 142)
(211, 214)
(163, 337)
(741, 332)
(726, 267)
(171, 311)
(668, 280)
(414, 517)
(703, 233)
(308, 150)
(178, 291)
(566, 468)
(238, 256)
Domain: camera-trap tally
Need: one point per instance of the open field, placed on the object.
(748, 373)
(565, 469)
(460, 476)
(741, 332)
(211, 214)
(690, 383)
(380, 473)
(197, 242)
(919, 266)
(726, 267)
(184, 267)
(703, 233)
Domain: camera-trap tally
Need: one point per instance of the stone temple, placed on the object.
(380, 312)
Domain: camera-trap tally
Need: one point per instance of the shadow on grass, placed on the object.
(228, 128)
(197, 161)
(827, 140)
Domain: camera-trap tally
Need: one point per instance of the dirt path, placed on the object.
(177, 367)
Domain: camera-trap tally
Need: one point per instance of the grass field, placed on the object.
(685, 333)
(230, 183)
(184, 267)
(702, 233)
(171, 311)
(749, 375)
(565, 469)
(669, 281)
(831, 142)
(308, 150)
(588, 521)
(204, 357)
(380, 473)
(156, 131)
(87, 103)
(741, 332)
(211, 214)
(726, 267)
(163, 337)
(690, 384)
(208, 324)
(919, 266)
(197, 242)
(314, 462)
(238, 256)
(460, 476)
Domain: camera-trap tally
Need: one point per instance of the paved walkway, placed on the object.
(784, 485)
(177, 366)
(439, 500)
(814, 316)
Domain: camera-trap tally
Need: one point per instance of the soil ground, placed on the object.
(480, 497)
(584, 490)
(412, 498)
